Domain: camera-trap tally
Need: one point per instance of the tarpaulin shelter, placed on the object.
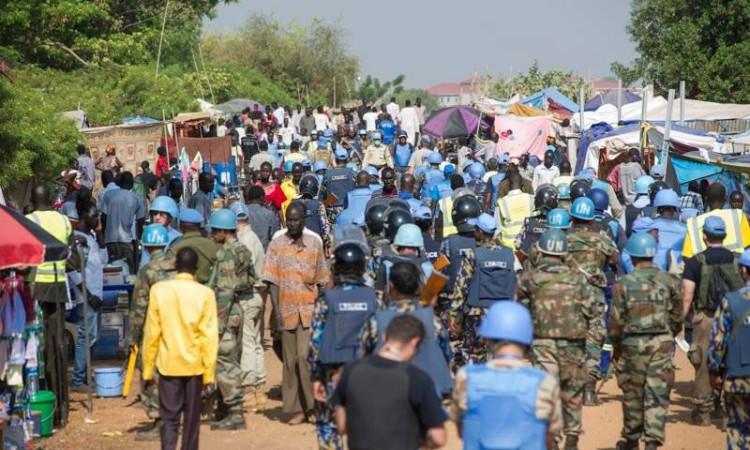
(551, 99)
(522, 110)
(453, 122)
(236, 105)
(610, 98)
(139, 119)
(24, 243)
(519, 135)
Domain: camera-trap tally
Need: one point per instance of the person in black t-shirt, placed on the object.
(382, 401)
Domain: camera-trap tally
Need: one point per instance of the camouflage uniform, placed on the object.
(203, 246)
(159, 268)
(563, 307)
(464, 320)
(589, 248)
(646, 314)
(736, 390)
(234, 277)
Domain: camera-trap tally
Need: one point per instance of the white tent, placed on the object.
(657, 111)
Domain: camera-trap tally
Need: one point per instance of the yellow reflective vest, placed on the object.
(58, 226)
(511, 212)
(738, 232)
(446, 209)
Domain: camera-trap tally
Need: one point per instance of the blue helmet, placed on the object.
(165, 204)
(583, 208)
(376, 136)
(240, 210)
(288, 165)
(435, 158)
(508, 321)
(190, 215)
(599, 197)
(320, 165)
(666, 197)
(642, 184)
(449, 170)
(558, 218)
(322, 142)
(715, 226)
(563, 191)
(372, 171)
(341, 154)
(408, 235)
(553, 242)
(223, 219)
(476, 170)
(155, 235)
(745, 258)
(641, 245)
(328, 133)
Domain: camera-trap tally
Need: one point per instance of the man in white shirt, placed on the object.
(321, 120)
(409, 122)
(392, 108)
(278, 113)
(286, 133)
(371, 119)
(296, 117)
(420, 110)
(545, 173)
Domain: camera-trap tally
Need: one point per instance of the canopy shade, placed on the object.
(24, 243)
(452, 122)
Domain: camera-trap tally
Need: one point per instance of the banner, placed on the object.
(522, 135)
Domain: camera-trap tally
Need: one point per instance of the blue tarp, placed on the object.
(539, 100)
(139, 119)
(610, 98)
(687, 170)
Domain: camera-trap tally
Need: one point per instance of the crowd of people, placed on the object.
(411, 280)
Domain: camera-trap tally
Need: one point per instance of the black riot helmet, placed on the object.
(465, 208)
(579, 188)
(308, 185)
(545, 198)
(375, 219)
(655, 187)
(349, 258)
(394, 218)
(399, 203)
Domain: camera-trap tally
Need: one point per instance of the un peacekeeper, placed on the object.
(610, 224)
(434, 352)
(563, 196)
(589, 249)
(395, 216)
(164, 211)
(407, 246)
(464, 209)
(338, 180)
(374, 224)
(485, 276)
(564, 308)
(338, 316)
(646, 315)
(545, 200)
(316, 219)
(559, 219)
(507, 390)
(635, 210)
(423, 219)
(159, 267)
(191, 224)
(233, 277)
(727, 358)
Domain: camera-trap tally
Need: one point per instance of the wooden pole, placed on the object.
(619, 101)
(208, 79)
(682, 102)
(581, 103)
(667, 129)
(161, 38)
(644, 109)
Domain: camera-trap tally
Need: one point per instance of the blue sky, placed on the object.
(438, 41)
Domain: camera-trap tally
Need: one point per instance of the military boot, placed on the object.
(589, 395)
(571, 442)
(231, 422)
(627, 445)
(153, 433)
(651, 446)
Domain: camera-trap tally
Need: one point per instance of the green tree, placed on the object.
(68, 34)
(535, 80)
(628, 75)
(371, 90)
(703, 42)
(430, 102)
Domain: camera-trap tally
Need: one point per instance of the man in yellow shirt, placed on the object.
(738, 228)
(181, 341)
(292, 173)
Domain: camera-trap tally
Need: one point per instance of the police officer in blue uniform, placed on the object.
(339, 315)
(423, 219)
(402, 152)
(545, 200)
(357, 198)
(315, 217)
(339, 180)
(641, 201)
(507, 403)
(671, 231)
(600, 197)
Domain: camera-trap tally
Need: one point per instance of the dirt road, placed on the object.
(117, 421)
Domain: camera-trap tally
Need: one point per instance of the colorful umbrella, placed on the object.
(452, 122)
(24, 243)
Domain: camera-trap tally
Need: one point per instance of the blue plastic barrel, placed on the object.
(109, 381)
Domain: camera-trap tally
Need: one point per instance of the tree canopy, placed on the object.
(372, 89)
(705, 43)
(535, 80)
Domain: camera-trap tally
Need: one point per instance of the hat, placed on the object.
(372, 171)
(423, 213)
(745, 258)
(658, 171)
(320, 165)
(644, 225)
(189, 215)
(305, 163)
(322, 143)
(402, 133)
(376, 136)
(486, 223)
(715, 226)
(362, 132)
(341, 154)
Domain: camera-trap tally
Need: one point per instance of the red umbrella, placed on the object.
(24, 243)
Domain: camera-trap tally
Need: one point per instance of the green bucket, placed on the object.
(44, 402)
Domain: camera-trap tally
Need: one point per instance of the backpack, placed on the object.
(716, 281)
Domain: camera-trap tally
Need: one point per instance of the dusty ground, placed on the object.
(117, 421)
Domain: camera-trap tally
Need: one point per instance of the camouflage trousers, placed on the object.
(738, 423)
(325, 422)
(229, 374)
(564, 360)
(645, 374)
(470, 347)
(150, 399)
(594, 341)
(702, 390)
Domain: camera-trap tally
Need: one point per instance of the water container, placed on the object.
(44, 403)
(109, 381)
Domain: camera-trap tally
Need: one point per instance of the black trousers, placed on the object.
(180, 396)
(122, 250)
(51, 297)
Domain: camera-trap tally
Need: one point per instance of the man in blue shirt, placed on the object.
(388, 129)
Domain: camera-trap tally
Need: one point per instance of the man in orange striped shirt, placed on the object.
(295, 270)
